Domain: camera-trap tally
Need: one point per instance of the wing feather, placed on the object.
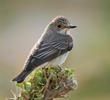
(46, 52)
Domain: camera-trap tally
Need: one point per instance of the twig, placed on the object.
(47, 84)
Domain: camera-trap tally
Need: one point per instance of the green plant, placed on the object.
(47, 83)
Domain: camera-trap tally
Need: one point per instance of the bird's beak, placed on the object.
(71, 26)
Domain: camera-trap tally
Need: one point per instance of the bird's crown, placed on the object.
(60, 20)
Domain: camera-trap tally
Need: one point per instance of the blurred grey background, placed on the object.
(23, 21)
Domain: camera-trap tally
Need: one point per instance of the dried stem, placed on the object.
(47, 84)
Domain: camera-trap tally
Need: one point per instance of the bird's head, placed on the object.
(60, 25)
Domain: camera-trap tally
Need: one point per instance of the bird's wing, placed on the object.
(46, 52)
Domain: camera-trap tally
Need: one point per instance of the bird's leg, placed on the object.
(60, 68)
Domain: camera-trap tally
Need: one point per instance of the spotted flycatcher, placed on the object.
(51, 49)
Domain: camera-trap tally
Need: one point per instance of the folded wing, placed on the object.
(46, 52)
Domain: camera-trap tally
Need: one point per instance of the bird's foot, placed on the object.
(60, 68)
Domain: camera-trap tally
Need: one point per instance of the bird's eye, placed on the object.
(59, 26)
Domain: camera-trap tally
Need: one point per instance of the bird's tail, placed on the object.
(20, 78)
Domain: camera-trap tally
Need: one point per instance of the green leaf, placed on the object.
(21, 85)
(57, 86)
(66, 70)
(28, 86)
(40, 96)
(72, 70)
(40, 73)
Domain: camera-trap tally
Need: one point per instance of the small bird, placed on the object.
(51, 49)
